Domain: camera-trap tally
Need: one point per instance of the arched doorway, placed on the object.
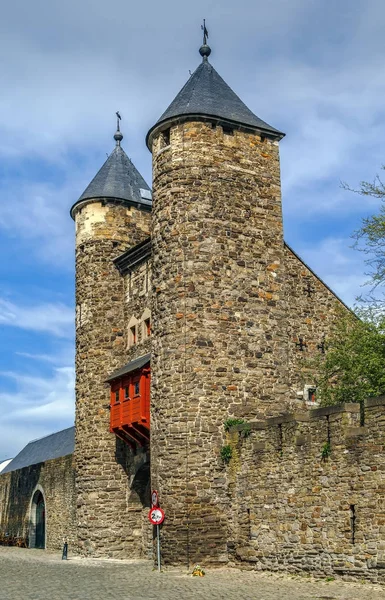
(37, 529)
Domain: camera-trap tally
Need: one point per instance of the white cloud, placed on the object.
(56, 319)
(64, 357)
(334, 119)
(36, 407)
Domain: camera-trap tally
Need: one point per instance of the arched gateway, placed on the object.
(37, 521)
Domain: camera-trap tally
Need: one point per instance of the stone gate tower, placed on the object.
(220, 334)
(111, 216)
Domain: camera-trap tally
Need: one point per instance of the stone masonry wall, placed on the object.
(220, 336)
(296, 511)
(312, 309)
(137, 285)
(108, 513)
(57, 479)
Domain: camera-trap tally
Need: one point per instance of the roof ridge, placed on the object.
(50, 434)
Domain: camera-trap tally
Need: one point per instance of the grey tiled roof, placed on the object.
(129, 367)
(207, 94)
(118, 178)
(52, 446)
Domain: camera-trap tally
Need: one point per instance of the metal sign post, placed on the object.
(156, 517)
(158, 545)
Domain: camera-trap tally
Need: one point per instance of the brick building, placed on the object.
(190, 310)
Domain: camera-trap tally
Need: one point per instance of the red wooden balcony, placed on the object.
(130, 402)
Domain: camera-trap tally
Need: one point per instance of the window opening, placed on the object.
(126, 392)
(166, 137)
(353, 522)
(312, 395)
(116, 396)
(227, 130)
(280, 439)
(136, 388)
(147, 327)
(133, 335)
(249, 522)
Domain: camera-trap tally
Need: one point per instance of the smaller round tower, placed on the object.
(112, 215)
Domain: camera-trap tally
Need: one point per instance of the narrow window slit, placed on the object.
(249, 522)
(166, 137)
(280, 439)
(353, 522)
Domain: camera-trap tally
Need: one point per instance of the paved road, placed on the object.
(38, 575)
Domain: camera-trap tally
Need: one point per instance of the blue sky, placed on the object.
(312, 69)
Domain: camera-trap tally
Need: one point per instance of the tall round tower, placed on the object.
(220, 341)
(111, 215)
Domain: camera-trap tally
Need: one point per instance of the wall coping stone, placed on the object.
(286, 418)
(351, 407)
(316, 413)
(372, 402)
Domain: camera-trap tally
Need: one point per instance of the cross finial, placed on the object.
(205, 32)
(118, 135)
(205, 50)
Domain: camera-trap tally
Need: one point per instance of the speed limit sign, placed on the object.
(156, 516)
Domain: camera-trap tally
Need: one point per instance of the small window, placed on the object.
(228, 130)
(133, 335)
(166, 137)
(147, 327)
(136, 388)
(117, 396)
(126, 392)
(312, 395)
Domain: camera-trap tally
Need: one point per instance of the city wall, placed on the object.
(56, 479)
(308, 492)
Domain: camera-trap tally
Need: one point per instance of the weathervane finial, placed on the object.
(205, 50)
(118, 135)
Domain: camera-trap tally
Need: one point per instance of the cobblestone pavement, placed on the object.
(38, 575)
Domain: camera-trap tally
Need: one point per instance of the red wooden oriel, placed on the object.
(130, 407)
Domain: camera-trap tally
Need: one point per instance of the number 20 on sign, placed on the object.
(156, 516)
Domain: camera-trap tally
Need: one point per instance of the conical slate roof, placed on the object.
(118, 178)
(207, 94)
